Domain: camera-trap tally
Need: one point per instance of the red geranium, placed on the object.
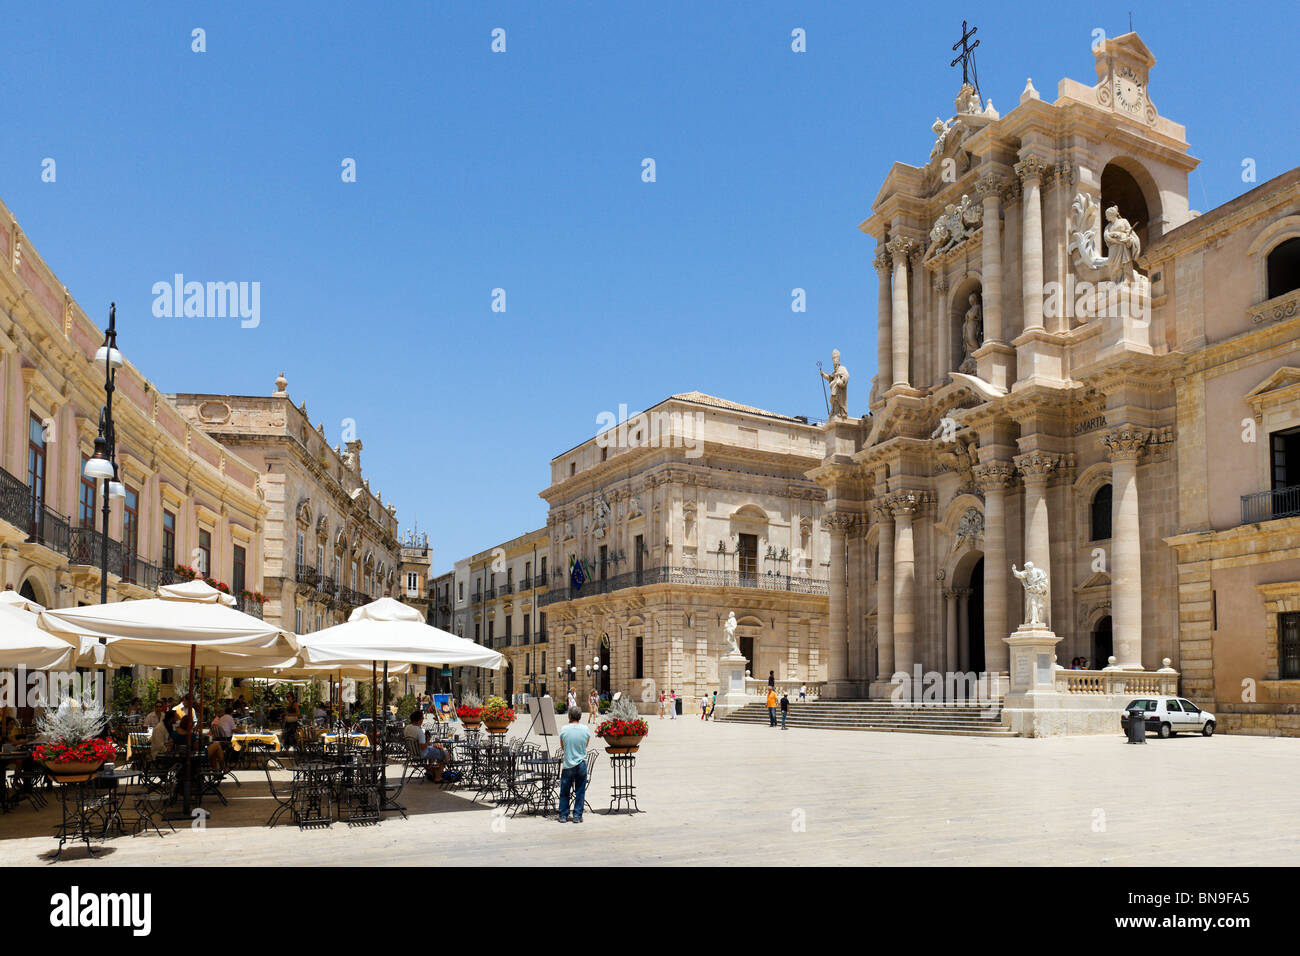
(473, 713)
(98, 750)
(614, 727)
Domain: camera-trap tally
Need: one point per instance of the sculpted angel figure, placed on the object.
(1034, 581)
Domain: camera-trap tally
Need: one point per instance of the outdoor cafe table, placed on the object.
(238, 741)
(138, 738)
(355, 740)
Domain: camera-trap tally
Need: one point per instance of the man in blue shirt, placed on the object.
(574, 737)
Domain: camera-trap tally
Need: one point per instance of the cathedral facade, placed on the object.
(1050, 316)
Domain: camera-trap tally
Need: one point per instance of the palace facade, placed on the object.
(1068, 360)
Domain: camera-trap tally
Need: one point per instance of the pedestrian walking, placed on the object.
(713, 707)
(771, 679)
(704, 707)
(672, 705)
(803, 692)
(662, 698)
(771, 707)
(785, 708)
(593, 708)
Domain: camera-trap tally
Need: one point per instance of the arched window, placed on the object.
(1284, 268)
(1100, 523)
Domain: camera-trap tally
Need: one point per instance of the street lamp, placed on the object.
(103, 465)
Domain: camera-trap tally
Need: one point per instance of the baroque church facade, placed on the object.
(1050, 316)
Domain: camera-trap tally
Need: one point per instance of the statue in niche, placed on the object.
(972, 332)
(1086, 235)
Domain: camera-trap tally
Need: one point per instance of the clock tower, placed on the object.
(1123, 70)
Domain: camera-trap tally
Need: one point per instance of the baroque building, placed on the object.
(1066, 355)
(693, 509)
(188, 500)
(330, 543)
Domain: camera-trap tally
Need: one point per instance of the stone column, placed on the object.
(904, 505)
(900, 249)
(837, 647)
(963, 627)
(989, 188)
(1037, 468)
(1125, 446)
(995, 477)
(950, 657)
(1030, 170)
(857, 613)
(885, 591)
(884, 324)
(943, 328)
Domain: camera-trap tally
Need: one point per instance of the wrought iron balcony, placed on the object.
(490, 593)
(50, 528)
(15, 501)
(1268, 505)
(539, 581)
(505, 589)
(85, 548)
(167, 576)
(139, 572)
(306, 574)
(248, 606)
(689, 577)
(539, 637)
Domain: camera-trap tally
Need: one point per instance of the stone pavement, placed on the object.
(747, 795)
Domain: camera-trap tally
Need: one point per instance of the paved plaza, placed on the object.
(745, 795)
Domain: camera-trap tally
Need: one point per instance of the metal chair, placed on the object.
(282, 796)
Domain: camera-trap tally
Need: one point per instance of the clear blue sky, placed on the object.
(522, 171)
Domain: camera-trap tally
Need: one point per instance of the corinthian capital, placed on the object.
(995, 475)
(990, 185)
(907, 503)
(1125, 443)
(902, 247)
(839, 522)
(1032, 167)
(1038, 466)
(882, 261)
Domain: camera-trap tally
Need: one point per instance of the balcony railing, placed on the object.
(490, 593)
(539, 637)
(15, 501)
(306, 574)
(85, 547)
(689, 577)
(50, 528)
(505, 589)
(139, 572)
(248, 606)
(1267, 505)
(539, 581)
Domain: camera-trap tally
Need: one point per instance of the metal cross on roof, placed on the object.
(967, 56)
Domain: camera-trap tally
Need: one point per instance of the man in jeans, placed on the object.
(573, 774)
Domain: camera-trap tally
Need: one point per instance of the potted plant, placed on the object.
(498, 715)
(470, 710)
(71, 749)
(624, 729)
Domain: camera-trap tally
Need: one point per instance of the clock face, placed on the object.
(1128, 90)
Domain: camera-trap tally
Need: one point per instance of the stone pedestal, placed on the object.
(1032, 679)
(731, 683)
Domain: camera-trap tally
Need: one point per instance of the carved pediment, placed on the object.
(1283, 386)
(1097, 581)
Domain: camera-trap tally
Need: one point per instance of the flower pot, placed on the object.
(75, 771)
(497, 726)
(625, 744)
(471, 723)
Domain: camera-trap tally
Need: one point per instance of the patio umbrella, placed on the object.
(23, 644)
(11, 597)
(191, 621)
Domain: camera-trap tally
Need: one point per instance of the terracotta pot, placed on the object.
(471, 723)
(75, 771)
(626, 744)
(497, 726)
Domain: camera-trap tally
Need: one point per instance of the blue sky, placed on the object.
(522, 171)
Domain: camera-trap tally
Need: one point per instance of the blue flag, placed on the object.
(577, 576)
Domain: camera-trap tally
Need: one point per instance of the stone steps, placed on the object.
(962, 720)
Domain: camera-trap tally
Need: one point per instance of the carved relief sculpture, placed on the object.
(1086, 235)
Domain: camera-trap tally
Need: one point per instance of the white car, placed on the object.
(1167, 716)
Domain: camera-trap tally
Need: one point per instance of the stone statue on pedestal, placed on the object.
(1034, 581)
(972, 332)
(838, 377)
(729, 629)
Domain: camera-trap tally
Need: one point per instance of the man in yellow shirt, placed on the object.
(771, 706)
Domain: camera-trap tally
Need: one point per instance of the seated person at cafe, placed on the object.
(223, 726)
(134, 710)
(434, 754)
(163, 731)
(11, 732)
(156, 715)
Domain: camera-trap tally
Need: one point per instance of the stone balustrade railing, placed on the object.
(1162, 683)
(756, 687)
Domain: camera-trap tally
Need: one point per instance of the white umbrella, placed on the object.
(11, 597)
(23, 644)
(189, 624)
(388, 630)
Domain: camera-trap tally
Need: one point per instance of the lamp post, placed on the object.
(103, 464)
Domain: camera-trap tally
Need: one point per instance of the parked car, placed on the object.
(1167, 716)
